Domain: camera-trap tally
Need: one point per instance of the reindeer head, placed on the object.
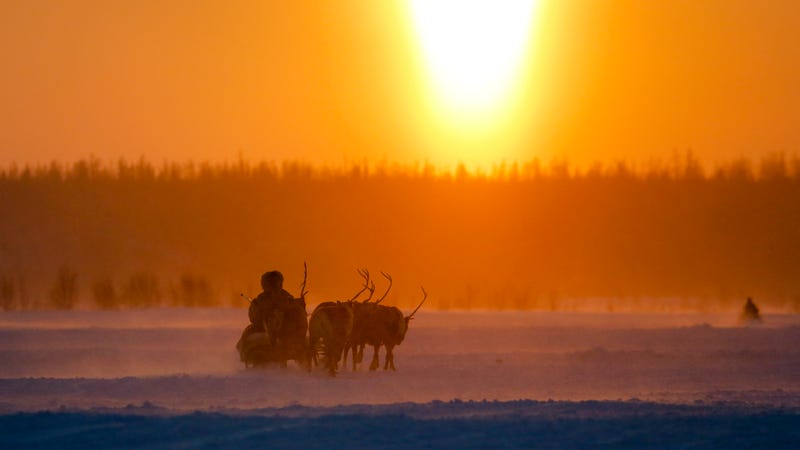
(404, 326)
(424, 297)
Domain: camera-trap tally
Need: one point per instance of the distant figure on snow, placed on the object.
(750, 313)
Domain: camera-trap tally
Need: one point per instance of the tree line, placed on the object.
(665, 236)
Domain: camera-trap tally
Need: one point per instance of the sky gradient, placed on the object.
(333, 82)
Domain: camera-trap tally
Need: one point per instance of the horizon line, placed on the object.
(680, 165)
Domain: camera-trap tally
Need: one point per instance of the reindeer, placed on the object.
(363, 313)
(330, 327)
(387, 326)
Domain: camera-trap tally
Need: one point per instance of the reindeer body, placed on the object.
(362, 317)
(329, 331)
(387, 326)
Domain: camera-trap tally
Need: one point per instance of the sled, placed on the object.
(255, 349)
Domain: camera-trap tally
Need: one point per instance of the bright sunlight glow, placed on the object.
(473, 49)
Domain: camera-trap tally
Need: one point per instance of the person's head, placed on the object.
(272, 280)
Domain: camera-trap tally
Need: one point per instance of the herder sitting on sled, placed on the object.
(276, 319)
(273, 298)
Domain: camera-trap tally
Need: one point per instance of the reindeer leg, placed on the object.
(388, 359)
(331, 369)
(361, 352)
(358, 355)
(375, 360)
(307, 359)
(333, 361)
(391, 358)
(312, 352)
(308, 356)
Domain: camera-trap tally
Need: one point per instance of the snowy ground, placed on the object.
(172, 379)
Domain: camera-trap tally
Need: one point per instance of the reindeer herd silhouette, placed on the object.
(333, 330)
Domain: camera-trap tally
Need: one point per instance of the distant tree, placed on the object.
(192, 290)
(141, 291)
(23, 299)
(774, 167)
(736, 170)
(104, 294)
(64, 293)
(462, 174)
(794, 304)
(7, 292)
(692, 167)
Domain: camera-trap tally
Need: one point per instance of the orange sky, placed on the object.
(342, 81)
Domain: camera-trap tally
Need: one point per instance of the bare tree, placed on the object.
(104, 293)
(141, 290)
(64, 292)
(7, 293)
(192, 290)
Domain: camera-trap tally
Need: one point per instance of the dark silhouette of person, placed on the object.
(282, 316)
(272, 299)
(750, 312)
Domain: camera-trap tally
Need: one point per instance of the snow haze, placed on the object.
(176, 361)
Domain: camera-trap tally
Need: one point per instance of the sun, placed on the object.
(473, 50)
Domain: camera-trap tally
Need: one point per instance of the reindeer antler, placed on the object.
(303, 290)
(388, 277)
(365, 275)
(371, 289)
(411, 316)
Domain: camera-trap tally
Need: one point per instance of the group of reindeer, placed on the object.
(335, 328)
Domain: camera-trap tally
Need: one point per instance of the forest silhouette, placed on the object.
(663, 237)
